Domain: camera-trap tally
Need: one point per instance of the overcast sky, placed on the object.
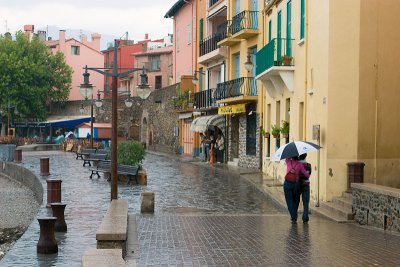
(111, 17)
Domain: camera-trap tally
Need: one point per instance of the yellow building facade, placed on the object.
(340, 77)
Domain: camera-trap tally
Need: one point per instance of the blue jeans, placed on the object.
(305, 197)
(292, 199)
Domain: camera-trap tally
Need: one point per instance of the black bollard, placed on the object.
(58, 212)
(47, 243)
(44, 167)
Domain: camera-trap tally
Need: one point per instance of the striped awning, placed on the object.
(202, 124)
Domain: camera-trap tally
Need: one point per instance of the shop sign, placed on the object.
(232, 109)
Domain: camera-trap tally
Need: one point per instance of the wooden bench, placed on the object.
(112, 232)
(96, 157)
(84, 152)
(105, 167)
(103, 258)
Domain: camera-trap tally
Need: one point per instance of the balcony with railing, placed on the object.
(242, 26)
(205, 99)
(210, 50)
(237, 90)
(275, 66)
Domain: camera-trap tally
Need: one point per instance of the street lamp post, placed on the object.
(114, 113)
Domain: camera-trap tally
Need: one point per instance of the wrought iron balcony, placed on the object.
(244, 86)
(278, 52)
(245, 20)
(211, 43)
(205, 99)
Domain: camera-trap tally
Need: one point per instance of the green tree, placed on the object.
(31, 76)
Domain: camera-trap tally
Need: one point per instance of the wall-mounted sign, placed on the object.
(232, 109)
(316, 132)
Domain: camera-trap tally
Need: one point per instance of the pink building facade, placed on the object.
(77, 55)
(158, 66)
(183, 14)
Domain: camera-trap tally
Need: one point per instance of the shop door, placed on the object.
(187, 138)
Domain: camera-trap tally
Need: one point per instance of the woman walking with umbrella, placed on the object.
(291, 186)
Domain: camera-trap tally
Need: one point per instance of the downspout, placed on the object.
(262, 96)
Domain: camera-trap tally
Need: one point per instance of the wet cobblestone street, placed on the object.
(203, 217)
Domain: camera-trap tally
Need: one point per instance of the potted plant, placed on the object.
(275, 130)
(285, 129)
(264, 133)
(286, 60)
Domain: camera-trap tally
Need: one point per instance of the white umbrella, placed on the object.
(294, 149)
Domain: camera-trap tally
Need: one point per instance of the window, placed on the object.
(251, 129)
(302, 18)
(75, 50)
(158, 82)
(189, 33)
(201, 30)
(154, 62)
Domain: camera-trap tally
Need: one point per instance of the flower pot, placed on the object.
(275, 135)
(286, 61)
(285, 135)
(267, 135)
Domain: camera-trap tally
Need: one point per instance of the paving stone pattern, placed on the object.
(260, 240)
(203, 217)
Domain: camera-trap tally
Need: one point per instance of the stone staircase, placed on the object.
(339, 210)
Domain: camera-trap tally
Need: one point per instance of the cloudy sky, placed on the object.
(111, 17)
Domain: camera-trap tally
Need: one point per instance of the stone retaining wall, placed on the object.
(24, 176)
(376, 205)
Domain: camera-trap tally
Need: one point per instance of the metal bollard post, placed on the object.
(44, 166)
(53, 191)
(18, 155)
(58, 212)
(47, 243)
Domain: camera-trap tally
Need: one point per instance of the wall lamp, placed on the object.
(195, 80)
(249, 64)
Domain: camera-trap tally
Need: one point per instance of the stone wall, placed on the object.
(23, 176)
(155, 117)
(376, 205)
(248, 161)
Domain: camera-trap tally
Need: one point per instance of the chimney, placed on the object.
(146, 36)
(96, 41)
(84, 39)
(42, 35)
(28, 29)
(61, 40)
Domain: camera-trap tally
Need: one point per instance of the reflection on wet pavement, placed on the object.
(179, 188)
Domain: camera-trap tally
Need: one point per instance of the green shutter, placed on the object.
(269, 31)
(289, 28)
(201, 30)
(302, 19)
